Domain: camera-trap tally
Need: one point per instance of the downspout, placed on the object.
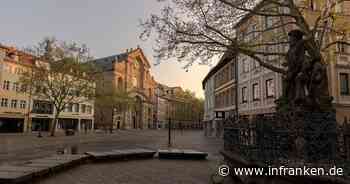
(237, 89)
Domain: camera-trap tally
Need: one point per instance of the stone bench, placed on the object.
(122, 154)
(38, 167)
(181, 154)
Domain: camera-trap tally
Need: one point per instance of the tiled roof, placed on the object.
(106, 63)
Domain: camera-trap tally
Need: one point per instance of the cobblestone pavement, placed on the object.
(18, 148)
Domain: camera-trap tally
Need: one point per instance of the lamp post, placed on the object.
(169, 132)
(171, 111)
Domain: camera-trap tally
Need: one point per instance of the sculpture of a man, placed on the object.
(305, 84)
(296, 79)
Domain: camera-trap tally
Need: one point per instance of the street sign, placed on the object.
(220, 114)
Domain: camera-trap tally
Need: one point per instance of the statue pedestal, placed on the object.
(314, 134)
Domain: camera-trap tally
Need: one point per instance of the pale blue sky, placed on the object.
(107, 26)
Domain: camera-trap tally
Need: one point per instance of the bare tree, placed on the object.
(61, 75)
(199, 30)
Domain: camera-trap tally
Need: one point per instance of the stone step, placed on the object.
(181, 154)
(122, 154)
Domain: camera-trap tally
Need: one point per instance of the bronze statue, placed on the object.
(305, 84)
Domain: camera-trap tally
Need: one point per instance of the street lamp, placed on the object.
(169, 122)
(171, 102)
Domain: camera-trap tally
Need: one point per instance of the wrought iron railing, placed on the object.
(290, 140)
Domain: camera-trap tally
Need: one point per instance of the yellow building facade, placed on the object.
(22, 111)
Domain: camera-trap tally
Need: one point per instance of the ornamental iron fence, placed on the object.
(294, 139)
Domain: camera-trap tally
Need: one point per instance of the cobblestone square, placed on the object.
(134, 171)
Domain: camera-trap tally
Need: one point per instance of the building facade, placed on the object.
(209, 114)
(162, 104)
(260, 87)
(220, 95)
(177, 106)
(22, 111)
(130, 72)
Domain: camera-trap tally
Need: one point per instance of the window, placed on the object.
(44, 90)
(6, 85)
(256, 64)
(76, 107)
(245, 64)
(89, 109)
(268, 22)
(256, 92)
(233, 71)
(339, 8)
(270, 88)
(7, 68)
(255, 31)
(285, 10)
(4, 102)
(18, 71)
(83, 108)
(13, 103)
(77, 93)
(227, 96)
(42, 107)
(70, 107)
(244, 95)
(344, 84)
(15, 86)
(23, 104)
(23, 88)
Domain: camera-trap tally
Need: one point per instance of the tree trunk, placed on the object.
(53, 125)
(124, 120)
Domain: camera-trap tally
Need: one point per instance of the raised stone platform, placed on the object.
(122, 154)
(38, 167)
(182, 154)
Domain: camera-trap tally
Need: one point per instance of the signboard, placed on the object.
(220, 115)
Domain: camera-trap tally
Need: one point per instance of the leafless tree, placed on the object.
(200, 30)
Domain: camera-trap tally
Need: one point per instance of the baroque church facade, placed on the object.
(130, 72)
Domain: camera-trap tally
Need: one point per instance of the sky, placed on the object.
(108, 27)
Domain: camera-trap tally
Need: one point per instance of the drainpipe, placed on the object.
(236, 81)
